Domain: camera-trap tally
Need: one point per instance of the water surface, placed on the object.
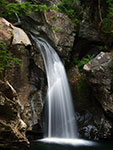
(78, 145)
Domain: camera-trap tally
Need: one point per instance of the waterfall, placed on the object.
(61, 120)
(18, 18)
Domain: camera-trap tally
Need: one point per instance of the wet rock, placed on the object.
(92, 127)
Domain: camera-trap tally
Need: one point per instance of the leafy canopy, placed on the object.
(10, 8)
(70, 7)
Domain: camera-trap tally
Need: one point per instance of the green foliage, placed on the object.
(101, 47)
(70, 7)
(83, 61)
(57, 29)
(54, 17)
(109, 1)
(6, 60)
(108, 20)
(10, 8)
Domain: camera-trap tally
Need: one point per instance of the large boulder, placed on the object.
(11, 34)
(91, 120)
(99, 73)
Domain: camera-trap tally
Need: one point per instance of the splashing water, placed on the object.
(61, 119)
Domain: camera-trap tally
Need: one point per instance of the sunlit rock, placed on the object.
(20, 37)
(11, 34)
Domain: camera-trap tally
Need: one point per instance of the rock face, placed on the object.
(17, 76)
(54, 26)
(92, 123)
(28, 79)
(91, 34)
(12, 127)
(100, 77)
(62, 31)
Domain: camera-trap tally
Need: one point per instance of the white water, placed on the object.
(18, 18)
(63, 141)
(61, 119)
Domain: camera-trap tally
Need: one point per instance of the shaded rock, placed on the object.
(59, 29)
(90, 24)
(27, 79)
(53, 2)
(12, 127)
(91, 33)
(99, 75)
(87, 31)
(91, 120)
(47, 2)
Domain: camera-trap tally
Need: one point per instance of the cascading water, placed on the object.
(61, 119)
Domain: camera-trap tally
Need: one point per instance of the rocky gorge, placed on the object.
(23, 88)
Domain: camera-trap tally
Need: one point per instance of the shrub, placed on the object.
(9, 8)
(83, 61)
(108, 20)
(6, 59)
(70, 7)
